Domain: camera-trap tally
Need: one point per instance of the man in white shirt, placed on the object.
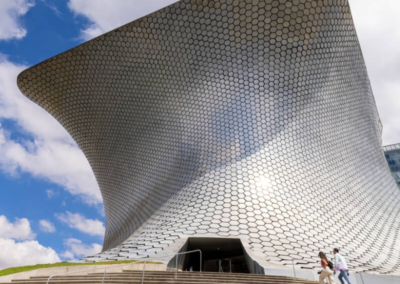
(341, 265)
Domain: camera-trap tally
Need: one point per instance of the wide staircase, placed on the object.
(166, 277)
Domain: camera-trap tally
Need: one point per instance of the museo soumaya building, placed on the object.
(246, 129)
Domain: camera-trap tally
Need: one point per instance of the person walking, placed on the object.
(341, 266)
(327, 269)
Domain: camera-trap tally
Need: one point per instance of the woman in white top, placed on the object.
(341, 265)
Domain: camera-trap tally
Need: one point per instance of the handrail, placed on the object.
(395, 280)
(105, 269)
(294, 270)
(142, 261)
(144, 268)
(176, 261)
(186, 252)
(176, 268)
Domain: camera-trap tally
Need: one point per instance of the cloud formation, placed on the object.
(50, 193)
(105, 15)
(10, 14)
(19, 230)
(24, 253)
(46, 226)
(50, 154)
(376, 23)
(77, 249)
(79, 222)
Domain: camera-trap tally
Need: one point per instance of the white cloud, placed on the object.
(52, 154)
(19, 230)
(77, 249)
(68, 254)
(53, 7)
(10, 14)
(105, 15)
(376, 24)
(79, 222)
(27, 252)
(24, 253)
(46, 226)
(50, 193)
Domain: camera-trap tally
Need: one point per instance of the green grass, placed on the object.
(13, 270)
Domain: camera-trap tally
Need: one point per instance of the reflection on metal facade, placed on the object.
(249, 119)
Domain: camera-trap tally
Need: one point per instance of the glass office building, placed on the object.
(392, 155)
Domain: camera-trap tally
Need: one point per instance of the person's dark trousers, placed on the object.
(343, 274)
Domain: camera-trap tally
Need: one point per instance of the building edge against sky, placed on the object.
(250, 120)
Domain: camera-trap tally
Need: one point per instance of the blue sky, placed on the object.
(36, 210)
(50, 203)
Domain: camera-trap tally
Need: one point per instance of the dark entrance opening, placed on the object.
(219, 255)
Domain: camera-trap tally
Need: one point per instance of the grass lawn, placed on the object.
(13, 270)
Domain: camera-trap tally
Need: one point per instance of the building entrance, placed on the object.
(219, 255)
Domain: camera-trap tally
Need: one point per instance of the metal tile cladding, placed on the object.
(249, 119)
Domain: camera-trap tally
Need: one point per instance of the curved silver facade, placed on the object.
(246, 119)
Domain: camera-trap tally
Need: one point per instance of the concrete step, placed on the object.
(185, 275)
(220, 279)
(179, 279)
(165, 277)
(150, 278)
(171, 281)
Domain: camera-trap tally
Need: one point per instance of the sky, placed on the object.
(50, 205)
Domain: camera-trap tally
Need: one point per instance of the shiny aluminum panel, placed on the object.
(250, 119)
